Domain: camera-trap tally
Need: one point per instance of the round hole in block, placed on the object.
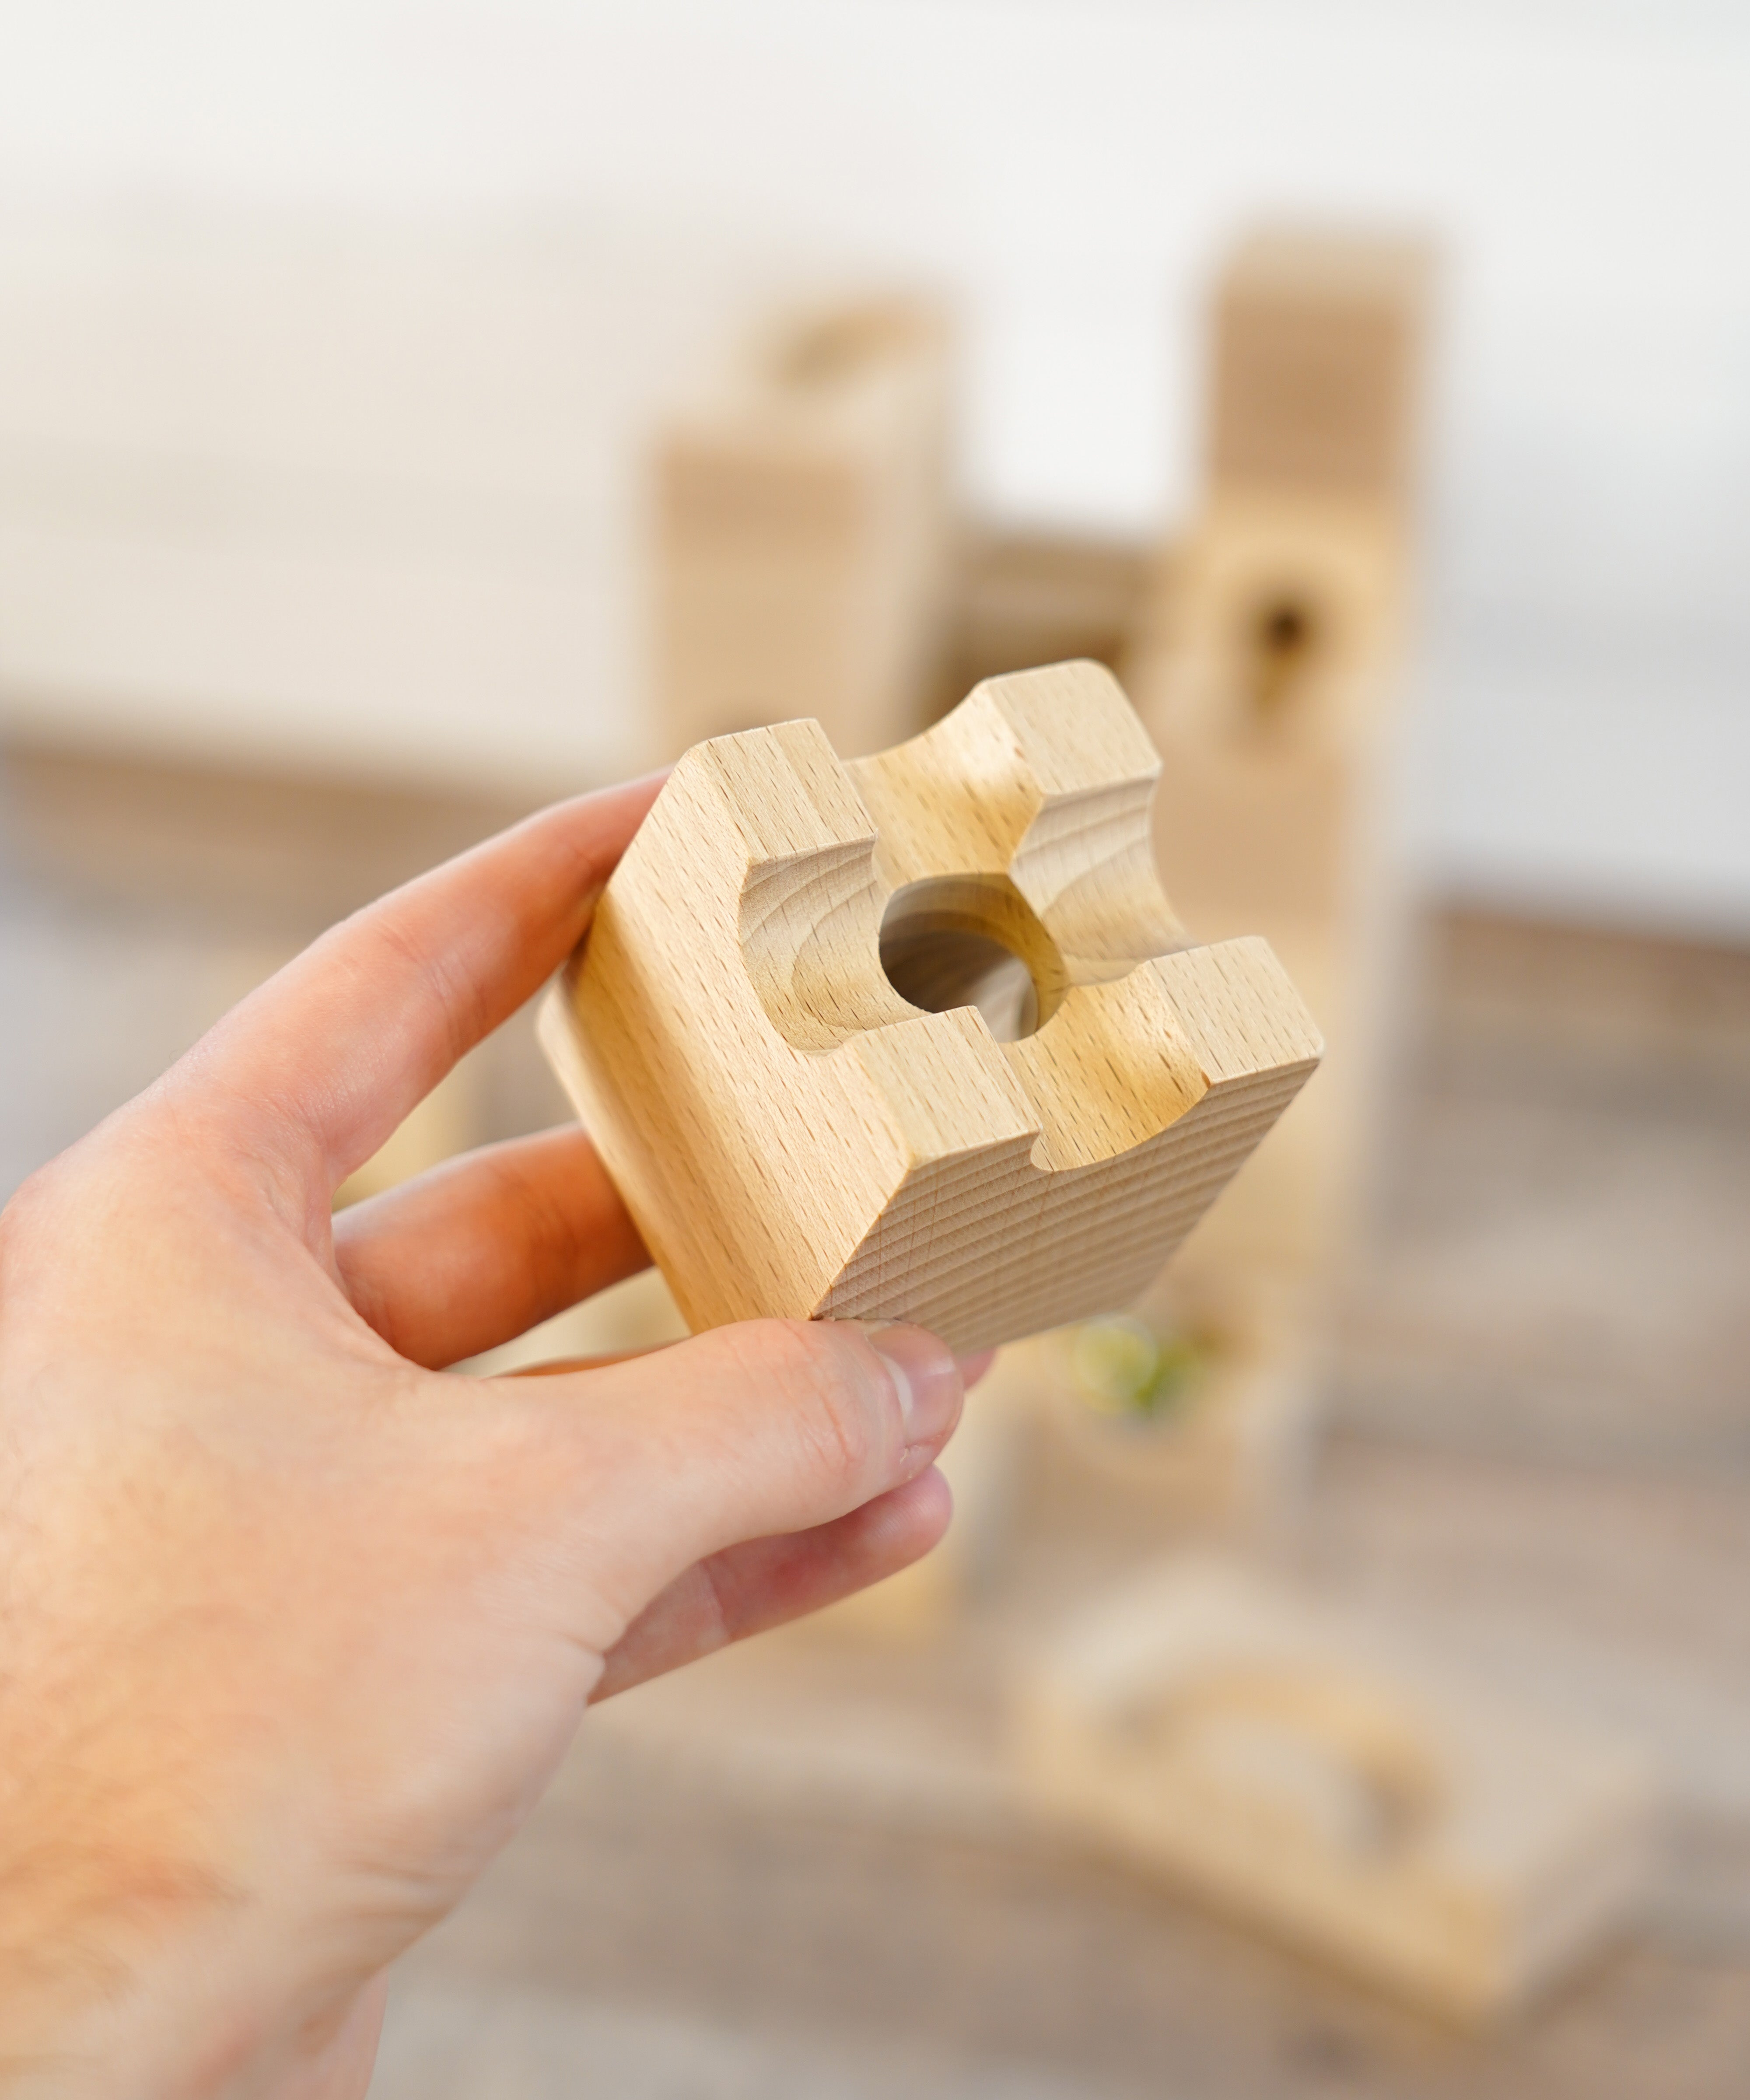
(973, 940)
(1283, 637)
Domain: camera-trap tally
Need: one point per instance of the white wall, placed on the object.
(522, 219)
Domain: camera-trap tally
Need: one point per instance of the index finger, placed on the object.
(315, 1069)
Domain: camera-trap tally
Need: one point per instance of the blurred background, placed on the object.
(409, 413)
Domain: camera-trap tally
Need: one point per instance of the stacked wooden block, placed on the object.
(803, 536)
(1270, 681)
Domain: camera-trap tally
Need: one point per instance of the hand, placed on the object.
(294, 1627)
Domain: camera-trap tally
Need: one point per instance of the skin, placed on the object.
(295, 1626)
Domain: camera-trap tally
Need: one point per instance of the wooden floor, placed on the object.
(797, 1870)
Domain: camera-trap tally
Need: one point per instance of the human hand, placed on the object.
(294, 1628)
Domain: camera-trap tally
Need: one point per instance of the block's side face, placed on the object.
(1106, 1231)
(986, 1244)
(802, 524)
(939, 1252)
(971, 1197)
(711, 1124)
(1317, 363)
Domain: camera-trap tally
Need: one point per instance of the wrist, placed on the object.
(117, 1973)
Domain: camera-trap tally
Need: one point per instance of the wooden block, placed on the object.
(1208, 1423)
(918, 1037)
(1305, 1772)
(1302, 1204)
(1022, 598)
(803, 534)
(1318, 348)
(1280, 635)
(1277, 813)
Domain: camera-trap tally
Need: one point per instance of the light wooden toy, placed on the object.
(1280, 619)
(1299, 1770)
(803, 535)
(1269, 677)
(1319, 344)
(918, 1037)
(1225, 1453)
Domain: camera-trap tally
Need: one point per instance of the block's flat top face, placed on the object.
(1315, 267)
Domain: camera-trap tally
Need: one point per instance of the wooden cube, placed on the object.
(1317, 364)
(803, 541)
(1308, 1773)
(918, 1037)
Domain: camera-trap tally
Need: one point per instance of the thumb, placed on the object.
(745, 1432)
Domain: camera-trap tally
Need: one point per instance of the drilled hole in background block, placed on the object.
(973, 940)
(1283, 637)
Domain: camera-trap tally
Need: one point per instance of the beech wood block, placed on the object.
(803, 530)
(1300, 1769)
(1319, 349)
(918, 1037)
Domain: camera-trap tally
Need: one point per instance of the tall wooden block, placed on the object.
(803, 540)
(1319, 346)
(1310, 1774)
(918, 1037)
(1269, 676)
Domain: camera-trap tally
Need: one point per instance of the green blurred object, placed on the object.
(1123, 1367)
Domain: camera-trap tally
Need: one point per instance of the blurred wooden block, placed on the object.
(1022, 598)
(803, 534)
(1304, 1773)
(1270, 665)
(1269, 671)
(918, 1037)
(1207, 1426)
(1317, 368)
